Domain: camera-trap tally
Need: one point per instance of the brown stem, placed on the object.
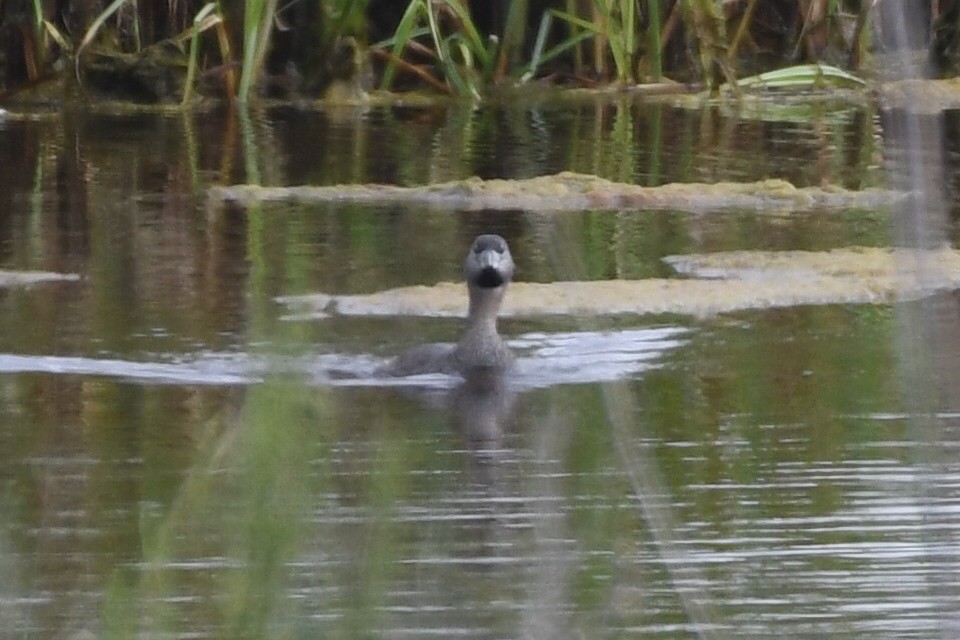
(417, 71)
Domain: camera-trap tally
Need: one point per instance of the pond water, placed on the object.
(180, 457)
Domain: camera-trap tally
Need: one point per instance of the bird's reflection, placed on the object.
(481, 407)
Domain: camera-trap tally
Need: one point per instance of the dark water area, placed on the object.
(176, 459)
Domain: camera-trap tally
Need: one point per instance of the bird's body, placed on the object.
(488, 269)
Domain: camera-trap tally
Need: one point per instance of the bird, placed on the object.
(488, 269)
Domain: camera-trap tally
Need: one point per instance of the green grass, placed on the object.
(441, 44)
(463, 58)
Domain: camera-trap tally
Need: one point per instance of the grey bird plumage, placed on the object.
(488, 269)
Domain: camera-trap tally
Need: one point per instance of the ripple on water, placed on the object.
(544, 359)
(884, 559)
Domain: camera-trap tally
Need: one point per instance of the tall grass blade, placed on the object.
(653, 40)
(472, 51)
(257, 20)
(463, 83)
(577, 21)
(610, 33)
(435, 31)
(538, 46)
(226, 55)
(402, 37)
(539, 56)
(473, 38)
(249, 54)
(58, 37)
(617, 19)
(38, 31)
(743, 29)
(389, 42)
(628, 27)
(38, 16)
(201, 22)
(513, 35)
(137, 39)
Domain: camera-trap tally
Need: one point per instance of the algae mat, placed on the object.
(716, 283)
(573, 191)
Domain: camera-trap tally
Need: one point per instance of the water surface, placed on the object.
(178, 460)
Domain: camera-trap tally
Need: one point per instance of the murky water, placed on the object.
(179, 458)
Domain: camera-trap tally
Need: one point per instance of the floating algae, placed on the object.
(719, 282)
(568, 191)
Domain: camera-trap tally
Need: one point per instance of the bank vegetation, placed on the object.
(183, 50)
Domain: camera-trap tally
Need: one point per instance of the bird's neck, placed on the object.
(484, 307)
(481, 347)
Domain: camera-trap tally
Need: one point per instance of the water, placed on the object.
(179, 458)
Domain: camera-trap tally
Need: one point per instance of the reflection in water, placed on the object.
(481, 408)
(351, 510)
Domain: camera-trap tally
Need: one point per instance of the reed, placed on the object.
(542, 55)
(654, 43)
(704, 19)
(463, 57)
(439, 41)
(209, 16)
(513, 35)
(35, 55)
(258, 19)
(614, 31)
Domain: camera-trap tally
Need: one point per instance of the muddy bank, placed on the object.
(720, 282)
(572, 191)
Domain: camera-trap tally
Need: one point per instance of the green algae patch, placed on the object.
(717, 283)
(572, 191)
(26, 278)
